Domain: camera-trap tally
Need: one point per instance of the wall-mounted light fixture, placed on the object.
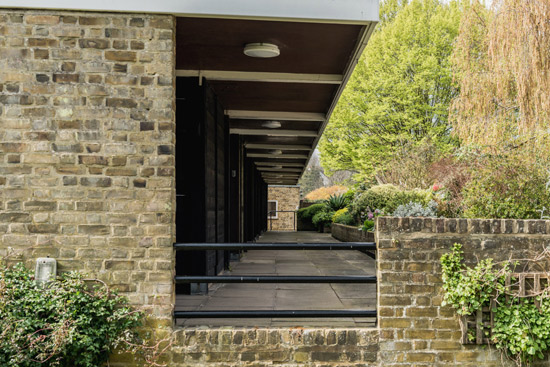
(261, 50)
(46, 270)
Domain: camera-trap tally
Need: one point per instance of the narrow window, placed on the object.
(272, 206)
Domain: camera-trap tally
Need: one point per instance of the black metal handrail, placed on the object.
(361, 246)
(273, 313)
(276, 279)
(277, 246)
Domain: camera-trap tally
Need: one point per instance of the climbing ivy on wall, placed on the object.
(521, 327)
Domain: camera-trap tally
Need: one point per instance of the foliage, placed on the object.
(308, 213)
(505, 186)
(337, 202)
(386, 198)
(467, 290)
(521, 328)
(342, 216)
(450, 175)
(400, 91)
(413, 209)
(65, 324)
(349, 195)
(368, 224)
(323, 193)
(311, 180)
(411, 166)
(502, 61)
(322, 218)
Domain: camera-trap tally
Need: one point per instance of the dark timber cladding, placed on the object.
(210, 194)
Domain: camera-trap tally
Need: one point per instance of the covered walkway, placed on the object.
(289, 296)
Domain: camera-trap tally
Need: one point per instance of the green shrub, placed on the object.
(416, 210)
(322, 218)
(342, 216)
(368, 225)
(336, 202)
(349, 195)
(386, 198)
(306, 214)
(67, 323)
(507, 188)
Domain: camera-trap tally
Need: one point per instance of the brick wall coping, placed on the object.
(207, 328)
(265, 346)
(465, 226)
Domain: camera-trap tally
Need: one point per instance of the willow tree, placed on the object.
(502, 61)
(399, 94)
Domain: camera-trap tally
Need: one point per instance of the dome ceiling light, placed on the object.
(261, 50)
(272, 124)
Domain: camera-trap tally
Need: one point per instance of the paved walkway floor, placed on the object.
(289, 296)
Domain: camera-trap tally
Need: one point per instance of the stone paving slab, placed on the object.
(289, 296)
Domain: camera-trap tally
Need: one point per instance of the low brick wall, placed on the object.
(260, 347)
(350, 234)
(415, 330)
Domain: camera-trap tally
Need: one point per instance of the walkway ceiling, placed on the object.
(298, 89)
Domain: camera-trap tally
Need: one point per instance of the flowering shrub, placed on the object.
(368, 224)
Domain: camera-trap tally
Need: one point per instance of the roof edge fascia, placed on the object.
(318, 11)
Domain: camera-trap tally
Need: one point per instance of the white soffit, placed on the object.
(331, 11)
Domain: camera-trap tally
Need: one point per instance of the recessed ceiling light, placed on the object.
(276, 151)
(272, 124)
(261, 50)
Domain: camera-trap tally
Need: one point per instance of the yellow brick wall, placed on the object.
(87, 147)
(288, 199)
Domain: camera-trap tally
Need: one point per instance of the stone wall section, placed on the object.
(346, 233)
(415, 330)
(261, 347)
(288, 198)
(87, 147)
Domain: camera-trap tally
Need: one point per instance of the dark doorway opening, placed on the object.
(221, 196)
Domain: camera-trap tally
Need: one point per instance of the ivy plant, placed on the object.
(67, 323)
(521, 326)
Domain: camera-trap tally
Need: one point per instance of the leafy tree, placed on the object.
(311, 180)
(502, 63)
(400, 91)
